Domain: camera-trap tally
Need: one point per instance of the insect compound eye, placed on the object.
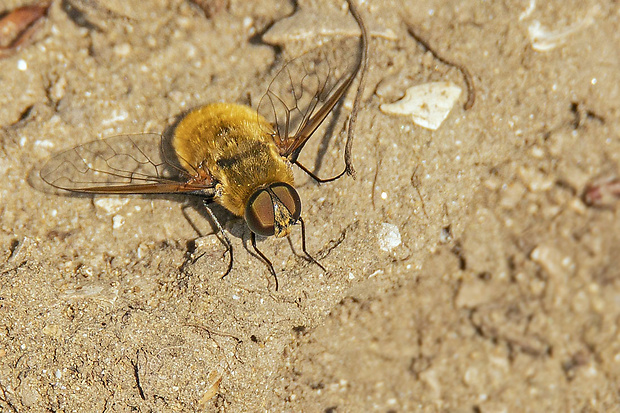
(260, 212)
(289, 197)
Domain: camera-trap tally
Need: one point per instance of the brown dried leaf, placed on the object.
(18, 26)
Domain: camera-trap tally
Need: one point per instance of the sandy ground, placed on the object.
(503, 294)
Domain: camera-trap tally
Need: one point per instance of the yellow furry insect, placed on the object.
(225, 153)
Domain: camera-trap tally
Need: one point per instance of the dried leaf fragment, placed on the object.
(603, 192)
(18, 26)
(213, 381)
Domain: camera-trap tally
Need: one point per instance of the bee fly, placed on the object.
(225, 153)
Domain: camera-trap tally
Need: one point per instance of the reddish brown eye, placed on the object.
(260, 210)
(289, 197)
(259, 213)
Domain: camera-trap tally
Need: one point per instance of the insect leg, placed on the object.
(265, 259)
(303, 244)
(363, 66)
(315, 121)
(316, 178)
(229, 247)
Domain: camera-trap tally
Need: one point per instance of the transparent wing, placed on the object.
(305, 90)
(124, 164)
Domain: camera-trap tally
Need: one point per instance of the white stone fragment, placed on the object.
(117, 115)
(389, 237)
(99, 291)
(110, 205)
(530, 8)
(544, 39)
(550, 259)
(428, 104)
(118, 221)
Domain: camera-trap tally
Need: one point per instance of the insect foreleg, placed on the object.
(225, 238)
(265, 259)
(303, 244)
